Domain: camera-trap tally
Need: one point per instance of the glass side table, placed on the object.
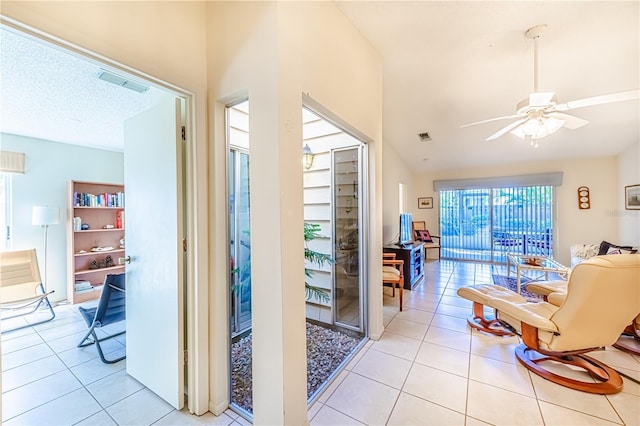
(544, 264)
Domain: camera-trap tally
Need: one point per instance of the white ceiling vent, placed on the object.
(424, 137)
(121, 81)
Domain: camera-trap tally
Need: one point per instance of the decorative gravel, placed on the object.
(326, 349)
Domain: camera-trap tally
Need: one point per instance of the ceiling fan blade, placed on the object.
(491, 119)
(570, 121)
(540, 99)
(507, 129)
(598, 100)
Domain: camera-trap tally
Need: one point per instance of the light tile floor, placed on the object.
(430, 368)
(427, 368)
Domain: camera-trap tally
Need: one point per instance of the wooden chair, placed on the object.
(420, 232)
(392, 274)
(21, 289)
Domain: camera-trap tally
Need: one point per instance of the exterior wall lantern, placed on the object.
(307, 157)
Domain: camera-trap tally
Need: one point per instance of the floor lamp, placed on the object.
(45, 216)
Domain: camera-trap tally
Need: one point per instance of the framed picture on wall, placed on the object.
(425, 203)
(632, 197)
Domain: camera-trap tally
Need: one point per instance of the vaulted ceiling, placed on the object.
(445, 64)
(449, 63)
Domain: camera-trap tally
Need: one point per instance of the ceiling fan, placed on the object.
(541, 114)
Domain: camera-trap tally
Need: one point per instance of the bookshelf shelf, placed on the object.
(92, 271)
(97, 205)
(86, 231)
(97, 208)
(93, 253)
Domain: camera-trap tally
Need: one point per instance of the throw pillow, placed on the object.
(585, 251)
(424, 236)
(614, 250)
(605, 246)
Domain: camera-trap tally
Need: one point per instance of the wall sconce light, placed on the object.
(307, 157)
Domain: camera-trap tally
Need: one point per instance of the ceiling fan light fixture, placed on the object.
(538, 127)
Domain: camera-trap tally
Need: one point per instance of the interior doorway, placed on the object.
(44, 42)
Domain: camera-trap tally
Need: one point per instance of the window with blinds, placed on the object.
(486, 224)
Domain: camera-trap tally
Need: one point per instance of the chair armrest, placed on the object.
(544, 288)
(524, 315)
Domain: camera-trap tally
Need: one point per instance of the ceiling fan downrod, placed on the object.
(535, 33)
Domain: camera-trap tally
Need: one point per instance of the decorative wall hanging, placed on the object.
(425, 203)
(632, 197)
(584, 199)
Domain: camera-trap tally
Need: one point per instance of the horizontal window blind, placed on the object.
(12, 162)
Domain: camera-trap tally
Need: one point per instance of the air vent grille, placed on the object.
(424, 137)
(122, 82)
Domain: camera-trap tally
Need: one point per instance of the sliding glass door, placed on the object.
(487, 224)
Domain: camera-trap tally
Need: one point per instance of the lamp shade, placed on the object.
(43, 215)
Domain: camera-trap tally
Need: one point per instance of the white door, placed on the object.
(153, 191)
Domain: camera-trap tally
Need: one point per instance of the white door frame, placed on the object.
(196, 278)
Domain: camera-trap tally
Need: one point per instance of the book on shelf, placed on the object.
(82, 286)
(84, 199)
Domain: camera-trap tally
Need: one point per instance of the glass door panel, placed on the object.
(347, 239)
(240, 243)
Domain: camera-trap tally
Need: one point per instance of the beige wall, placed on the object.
(572, 224)
(165, 42)
(628, 163)
(273, 53)
(394, 173)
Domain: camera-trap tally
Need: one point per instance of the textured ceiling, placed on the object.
(49, 94)
(445, 64)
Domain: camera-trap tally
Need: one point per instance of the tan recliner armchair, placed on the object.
(555, 292)
(602, 298)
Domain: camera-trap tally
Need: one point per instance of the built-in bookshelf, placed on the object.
(95, 228)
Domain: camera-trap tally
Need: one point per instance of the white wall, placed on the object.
(573, 225)
(628, 162)
(50, 166)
